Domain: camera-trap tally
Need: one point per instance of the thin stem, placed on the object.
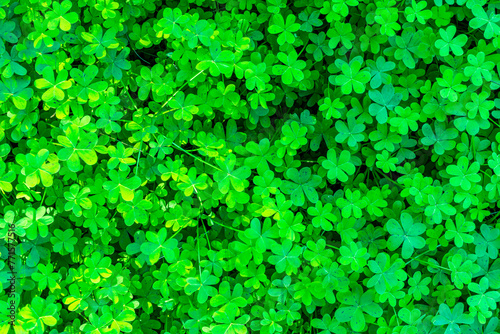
(229, 227)
(178, 90)
(381, 174)
(435, 265)
(113, 216)
(198, 243)
(206, 235)
(396, 315)
(138, 158)
(43, 197)
(130, 97)
(498, 213)
(177, 232)
(130, 43)
(3, 195)
(333, 247)
(482, 171)
(429, 250)
(492, 121)
(302, 50)
(195, 157)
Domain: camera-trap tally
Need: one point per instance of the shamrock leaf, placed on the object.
(449, 42)
(158, 244)
(304, 184)
(483, 298)
(99, 42)
(220, 61)
(77, 145)
(202, 284)
(39, 314)
(385, 101)
(56, 85)
(357, 304)
(60, 17)
(228, 322)
(406, 233)
(86, 90)
(135, 211)
(286, 258)
(292, 70)
(77, 199)
(284, 29)
(121, 185)
(352, 77)
(228, 175)
(18, 89)
(338, 168)
(463, 174)
(459, 229)
(452, 318)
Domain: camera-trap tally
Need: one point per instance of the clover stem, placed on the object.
(301, 51)
(178, 90)
(482, 171)
(333, 246)
(85, 317)
(229, 227)
(206, 235)
(432, 264)
(195, 157)
(470, 32)
(397, 318)
(497, 213)
(376, 176)
(492, 121)
(427, 251)
(43, 197)
(3, 195)
(198, 243)
(130, 97)
(113, 216)
(381, 174)
(130, 43)
(138, 159)
(177, 232)
(418, 149)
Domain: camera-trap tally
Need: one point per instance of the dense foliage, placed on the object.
(250, 166)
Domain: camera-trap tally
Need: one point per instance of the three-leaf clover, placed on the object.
(77, 145)
(284, 29)
(292, 70)
(77, 199)
(449, 42)
(353, 77)
(354, 305)
(158, 244)
(338, 168)
(228, 175)
(56, 86)
(304, 183)
(406, 233)
(121, 185)
(463, 174)
(286, 258)
(452, 318)
(202, 284)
